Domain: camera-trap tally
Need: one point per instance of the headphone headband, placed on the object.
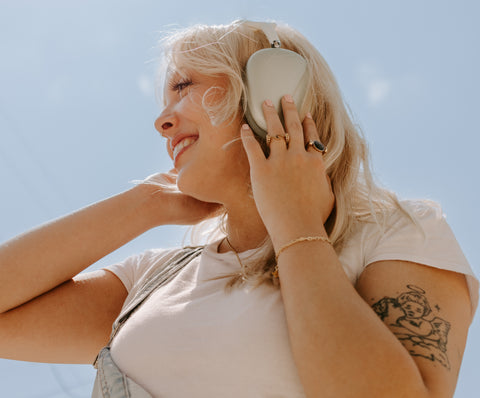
(268, 28)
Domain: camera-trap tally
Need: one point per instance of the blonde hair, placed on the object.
(223, 50)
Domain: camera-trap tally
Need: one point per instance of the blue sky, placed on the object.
(77, 110)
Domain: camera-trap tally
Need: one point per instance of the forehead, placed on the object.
(174, 71)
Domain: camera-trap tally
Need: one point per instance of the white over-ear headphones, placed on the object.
(272, 73)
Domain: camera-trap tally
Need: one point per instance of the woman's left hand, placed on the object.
(291, 188)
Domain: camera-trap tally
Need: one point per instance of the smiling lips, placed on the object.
(183, 144)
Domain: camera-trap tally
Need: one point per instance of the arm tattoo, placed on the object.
(410, 318)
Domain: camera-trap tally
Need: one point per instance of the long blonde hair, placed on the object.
(223, 50)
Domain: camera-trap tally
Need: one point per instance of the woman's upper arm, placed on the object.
(428, 310)
(68, 324)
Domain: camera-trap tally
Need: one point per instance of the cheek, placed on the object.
(191, 106)
(242, 161)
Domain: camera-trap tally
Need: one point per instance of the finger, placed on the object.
(250, 144)
(312, 139)
(293, 125)
(274, 125)
(309, 129)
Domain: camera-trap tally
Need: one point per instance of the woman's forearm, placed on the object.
(43, 258)
(340, 346)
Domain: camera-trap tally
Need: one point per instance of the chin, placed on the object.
(196, 186)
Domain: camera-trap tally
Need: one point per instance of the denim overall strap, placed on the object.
(110, 381)
(156, 280)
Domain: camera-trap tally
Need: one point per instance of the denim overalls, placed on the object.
(110, 381)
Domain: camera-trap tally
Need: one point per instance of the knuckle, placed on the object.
(291, 125)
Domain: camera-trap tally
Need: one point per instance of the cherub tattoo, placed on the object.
(409, 316)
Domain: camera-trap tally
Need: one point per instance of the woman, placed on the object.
(299, 297)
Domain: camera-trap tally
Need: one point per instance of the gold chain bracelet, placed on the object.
(294, 242)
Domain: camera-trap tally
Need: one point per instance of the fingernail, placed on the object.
(245, 127)
(308, 115)
(288, 98)
(268, 103)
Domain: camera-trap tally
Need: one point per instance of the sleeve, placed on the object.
(128, 270)
(134, 269)
(421, 234)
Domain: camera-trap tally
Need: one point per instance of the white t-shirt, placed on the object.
(192, 339)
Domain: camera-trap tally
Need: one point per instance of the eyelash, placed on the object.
(181, 85)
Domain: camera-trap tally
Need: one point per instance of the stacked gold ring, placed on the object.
(285, 137)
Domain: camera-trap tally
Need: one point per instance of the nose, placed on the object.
(166, 123)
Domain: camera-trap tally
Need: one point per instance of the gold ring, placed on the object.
(317, 145)
(285, 137)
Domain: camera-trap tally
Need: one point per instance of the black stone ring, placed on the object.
(317, 145)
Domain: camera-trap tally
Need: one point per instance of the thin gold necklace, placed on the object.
(242, 273)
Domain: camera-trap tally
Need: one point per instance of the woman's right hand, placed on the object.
(171, 206)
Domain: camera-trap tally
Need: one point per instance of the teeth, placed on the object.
(182, 144)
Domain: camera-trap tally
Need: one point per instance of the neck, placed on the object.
(245, 228)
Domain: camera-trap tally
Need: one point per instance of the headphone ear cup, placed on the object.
(270, 74)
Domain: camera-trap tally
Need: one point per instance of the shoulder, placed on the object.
(425, 215)
(136, 269)
(417, 232)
